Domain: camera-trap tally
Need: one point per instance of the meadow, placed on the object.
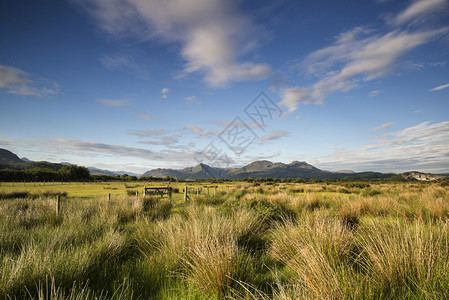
(341, 240)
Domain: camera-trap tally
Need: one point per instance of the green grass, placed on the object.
(282, 241)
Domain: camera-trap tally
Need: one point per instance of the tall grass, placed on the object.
(407, 259)
(318, 252)
(284, 241)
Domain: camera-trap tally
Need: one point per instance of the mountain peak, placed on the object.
(302, 165)
(7, 157)
(259, 165)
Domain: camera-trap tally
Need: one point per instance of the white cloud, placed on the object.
(58, 148)
(292, 97)
(383, 126)
(212, 33)
(440, 87)
(374, 93)
(200, 131)
(420, 9)
(274, 135)
(145, 133)
(110, 102)
(164, 141)
(356, 56)
(234, 123)
(423, 147)
(164, 92)
(192, 99)
(18, 82)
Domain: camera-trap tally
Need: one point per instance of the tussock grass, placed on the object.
(317, 252)
(255, 241)
(407, 259)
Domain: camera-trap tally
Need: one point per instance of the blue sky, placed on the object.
(140, 84)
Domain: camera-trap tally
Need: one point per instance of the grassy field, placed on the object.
(249, 241)
(95, 189)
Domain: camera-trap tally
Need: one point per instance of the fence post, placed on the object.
(144, 190)
(197, 191)
(169, 195)
(185, 193)
(109, 198)
(215, 190)
(208, 191)
(137, 196)
(58, 204)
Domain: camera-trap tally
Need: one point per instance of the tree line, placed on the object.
(66, 173)
(79, 173)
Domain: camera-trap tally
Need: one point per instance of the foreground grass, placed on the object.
(283, 241)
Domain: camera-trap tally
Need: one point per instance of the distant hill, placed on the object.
(96, 171)
(7, 157)
(263, 168)
(257, 169)
(419, 176)
(9, 160)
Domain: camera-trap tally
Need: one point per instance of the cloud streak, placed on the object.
(383, 126)
(213, 34)
(358, 56)
(419, 10)
(199, 131)
(422, 147)
(145, 133)
(274, 135)
(165, 141)
(58, 147)
(17, 82)
(440, 87)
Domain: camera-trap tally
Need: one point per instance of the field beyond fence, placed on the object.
(240, 240)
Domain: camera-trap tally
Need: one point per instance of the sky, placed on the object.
(136, 85)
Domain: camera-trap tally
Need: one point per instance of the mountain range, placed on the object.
(257, 169)
(264, 168)
(9, 160)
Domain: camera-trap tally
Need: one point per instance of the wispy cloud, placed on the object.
(193, 99)
(199, 131)
(274, 135)
(357, 56)
(423, 147)
(164, 93)
(145, 133)
(239, 124)
(213, 34)
(111, 102)
(18, 82)
(58, 148)
(374, 93)
(419, 10)
(440, 87)
(383, 126)
(165, 141)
